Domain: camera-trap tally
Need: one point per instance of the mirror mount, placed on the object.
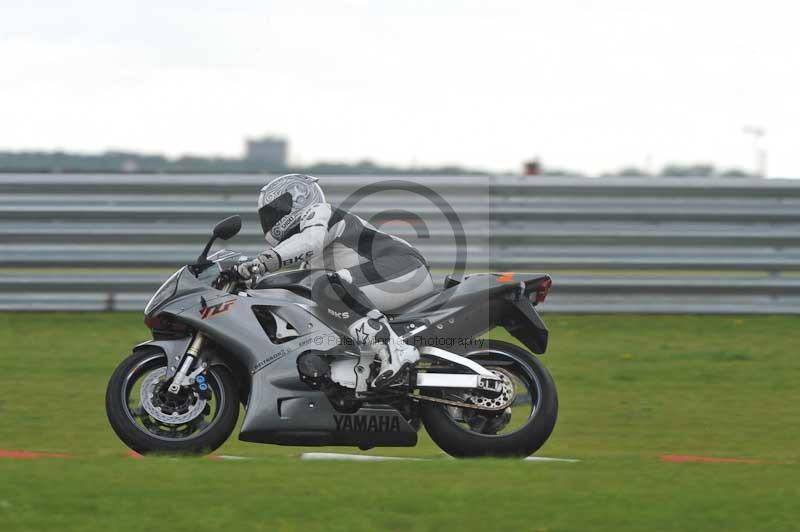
(225, 229)
(202, 259)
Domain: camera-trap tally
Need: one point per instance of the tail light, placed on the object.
(541, 292)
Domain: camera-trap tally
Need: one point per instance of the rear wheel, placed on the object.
(150, 420)
(517, 430)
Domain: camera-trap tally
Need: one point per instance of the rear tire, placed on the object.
(460, 442)
(139, 438)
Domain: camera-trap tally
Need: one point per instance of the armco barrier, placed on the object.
(103, 242)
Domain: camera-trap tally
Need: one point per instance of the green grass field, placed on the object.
(632, 388)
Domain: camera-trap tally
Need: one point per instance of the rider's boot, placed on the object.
(374, 332)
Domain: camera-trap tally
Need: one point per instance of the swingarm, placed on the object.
(479, 377)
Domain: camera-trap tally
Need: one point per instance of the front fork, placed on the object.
(183, 377)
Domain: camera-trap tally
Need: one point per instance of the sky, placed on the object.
(589, 86)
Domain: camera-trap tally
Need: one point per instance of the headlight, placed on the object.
(166, 291)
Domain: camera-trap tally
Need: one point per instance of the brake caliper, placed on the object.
(201, 387)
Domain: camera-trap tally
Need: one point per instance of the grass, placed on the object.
(632, 388)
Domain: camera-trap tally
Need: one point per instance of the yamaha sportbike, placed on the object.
(218, 343)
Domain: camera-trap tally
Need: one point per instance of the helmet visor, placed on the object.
(271, 213)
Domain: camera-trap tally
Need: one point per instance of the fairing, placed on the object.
(282, 409)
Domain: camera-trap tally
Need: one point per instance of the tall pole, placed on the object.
(760, 152)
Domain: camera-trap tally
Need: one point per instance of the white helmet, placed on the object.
(281, 200)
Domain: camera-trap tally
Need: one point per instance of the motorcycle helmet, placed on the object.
(280, 202)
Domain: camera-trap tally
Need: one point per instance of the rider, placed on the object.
(372, 272)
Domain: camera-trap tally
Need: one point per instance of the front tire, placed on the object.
(481, 438)
(201, 429)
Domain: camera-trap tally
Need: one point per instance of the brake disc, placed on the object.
(150, 387)
(503, 399)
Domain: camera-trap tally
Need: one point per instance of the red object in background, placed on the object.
(30, 455)
(693, 458)
(533, 167)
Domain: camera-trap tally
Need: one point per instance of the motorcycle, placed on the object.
(218, 343)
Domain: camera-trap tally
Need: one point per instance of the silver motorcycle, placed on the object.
(301, 380)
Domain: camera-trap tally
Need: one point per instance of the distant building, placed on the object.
(267, 152)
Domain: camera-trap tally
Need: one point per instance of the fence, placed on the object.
(94, 242)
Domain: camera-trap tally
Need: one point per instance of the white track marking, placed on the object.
(548, 459)
(355, 457)
(367, 458)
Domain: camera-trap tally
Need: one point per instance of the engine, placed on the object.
(314, 369)
(336, 376)
(317, 369)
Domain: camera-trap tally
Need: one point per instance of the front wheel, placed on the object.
(151, 420)
(518, 430)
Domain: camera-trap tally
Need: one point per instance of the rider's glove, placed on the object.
(266, 262)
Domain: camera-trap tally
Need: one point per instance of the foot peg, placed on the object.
(391, 378)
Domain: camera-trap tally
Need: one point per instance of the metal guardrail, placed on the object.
(570, 293)
(632, 245)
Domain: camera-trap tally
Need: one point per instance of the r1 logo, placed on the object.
(216, 310)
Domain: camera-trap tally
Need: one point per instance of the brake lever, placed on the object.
(226, 277)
